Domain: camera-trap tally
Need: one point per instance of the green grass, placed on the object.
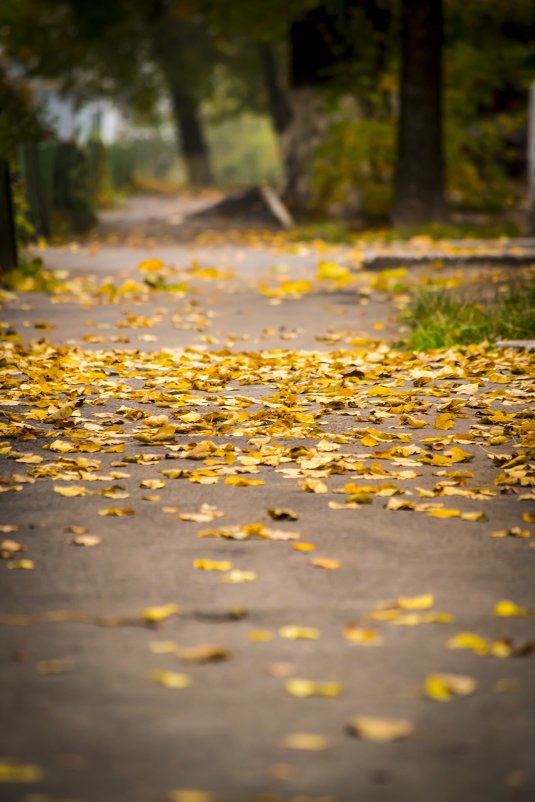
(440, 318)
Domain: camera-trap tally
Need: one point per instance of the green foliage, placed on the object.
(440, 318)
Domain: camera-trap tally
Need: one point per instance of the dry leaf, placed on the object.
(299, 633)
(212, 565)
(204, 653)
(155, 615)
(9, 547)
(443, 687)
(11, 771)
(280, 514)
(52, 667)
(236, 576)
(190, 795)
(260, 635)
(372, 728)
(303, 547)
(85, 540)
(366, 637)
(117, 511)
(24, 565)
(170, 679)
(152, 484)
(307, 741)
(325, 562)
(508, 609)
(313, 486)
(306, 687)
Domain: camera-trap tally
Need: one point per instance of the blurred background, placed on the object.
(372, 112)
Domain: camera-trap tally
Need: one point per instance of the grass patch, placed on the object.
(440, 318)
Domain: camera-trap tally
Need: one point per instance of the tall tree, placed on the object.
(419, 176)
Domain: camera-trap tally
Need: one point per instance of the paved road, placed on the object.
(289, 390)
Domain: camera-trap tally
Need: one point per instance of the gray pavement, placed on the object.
(292, 386)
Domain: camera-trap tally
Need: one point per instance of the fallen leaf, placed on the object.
(85, 540)
(13, 772)
(443, 687)
(313, 486)
(299, 633)
(514, 531)
(306, 741)
(325, 562)
(236, 576)
(170, 679)
(117, 511)
(9, 547)
(70, 490)
(212, 565)
(303, 547)
(52, 667)
(155, 615)
(366, 637)
(280, 514)
(6, 529)
(25, 565)
(190, 795)
(204, 653)
(260, 635)
(152, 484)
(306, 688)
(508, 609)
(242, 481)
(372, 728)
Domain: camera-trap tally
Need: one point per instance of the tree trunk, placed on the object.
(531, 161)
(278, 104)
(8, 241)
(419, 178)
(191, 140)
(313, 54)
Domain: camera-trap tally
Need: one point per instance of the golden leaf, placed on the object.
(325, 562)
(422, 602)
(85, 540)
(303, 547)
(444, 421)
(170, 679)
(444, 513)
(305, 688)
(52, 667)
(236, 576)
(299, 633)
(117, 511)
(307, 741)
(161, 613)
(279, 514)
(260, 635)
(13, 772)
(514, 531)
(24, 565)
(70, 490)
(212, 565)
(152, 484)
(241, 481)
(373, 728)
(313, 486)
(6, 529)
(189, 795)
(204, 653)
(365, 637)
(508, 609)
(444, 687)
(9, 547)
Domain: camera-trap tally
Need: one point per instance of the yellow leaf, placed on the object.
(6, 529)
(152, 484)
(151, 266)
(9, 547)
(364, 637)
(422, 602)
(413, 619)
(508, 609)
(170, 679)
(528, 517)
(241, 481)
(373, 728)
(236, 576)
(85, 540)
(330, 271)
(260, 635)
(444, 513)
(514, 531)
(70, 490)
(156, 614)
(444, 421)
(61, 446)
(52, 667)
(325, 562)
(399, 504)
(313, 486)
(469, 640)
(189, 795)
(303, 547)
(305, 688)
(117, 511)
(13, 772)
(414, 423)
(163, 646)
(307, 741)
(473, 516)
(204, 653)
(279, 514)
(443, 687)
(213, 565)
(299, 633)
(24, 565)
